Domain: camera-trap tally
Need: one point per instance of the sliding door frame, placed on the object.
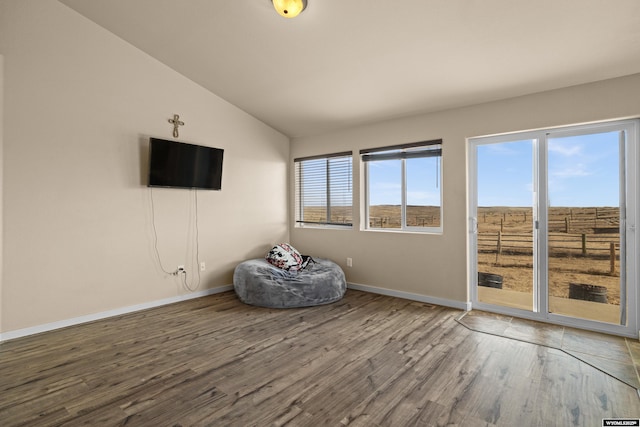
(629, 208)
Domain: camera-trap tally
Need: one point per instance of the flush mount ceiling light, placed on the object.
(289, 8)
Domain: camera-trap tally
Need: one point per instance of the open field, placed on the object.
(583, 243)
(583, 248)
(388, 216)
(380, 216)
(318, 214)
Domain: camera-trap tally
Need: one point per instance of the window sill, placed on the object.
(324, 227)
(432, 232)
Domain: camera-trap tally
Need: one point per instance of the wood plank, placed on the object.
(367, 360)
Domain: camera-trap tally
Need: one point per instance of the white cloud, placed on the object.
(565, 149)
(579, 169)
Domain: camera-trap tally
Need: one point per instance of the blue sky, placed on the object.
(423, 182)
(583, 171)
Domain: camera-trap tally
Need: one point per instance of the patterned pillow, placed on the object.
(286, 257)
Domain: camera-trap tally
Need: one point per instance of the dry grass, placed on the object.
(380, 216)
(568, 262)
(339, 214)
(388, 216)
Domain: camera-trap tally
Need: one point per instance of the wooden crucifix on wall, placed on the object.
(176, 122)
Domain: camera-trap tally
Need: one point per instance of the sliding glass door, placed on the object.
(552, 227)
(504, 224)
(585, 211)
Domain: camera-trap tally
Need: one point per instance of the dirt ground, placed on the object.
(517, 274)
(567, 264)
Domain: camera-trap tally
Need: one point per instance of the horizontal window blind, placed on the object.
(412, 150)
(324, 193)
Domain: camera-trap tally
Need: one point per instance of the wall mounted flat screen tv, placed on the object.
(180, 165)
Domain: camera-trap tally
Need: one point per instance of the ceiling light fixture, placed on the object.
(289, 8)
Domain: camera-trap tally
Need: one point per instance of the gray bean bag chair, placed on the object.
(257, 282)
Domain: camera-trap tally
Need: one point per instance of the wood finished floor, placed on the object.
(617, 356)
(368, 360)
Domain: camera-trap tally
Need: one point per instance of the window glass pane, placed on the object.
(583, 215)
(423, 192)
(314, 190)
(324, 190)
(505, 223)
(385, 193)
(340, 195)
(404, 186)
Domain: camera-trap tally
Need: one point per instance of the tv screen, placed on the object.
(180, 165)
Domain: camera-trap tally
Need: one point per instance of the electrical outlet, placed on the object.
(349, 262)
(203, 266)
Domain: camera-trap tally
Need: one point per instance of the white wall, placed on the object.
(436, 265)
(79, 106)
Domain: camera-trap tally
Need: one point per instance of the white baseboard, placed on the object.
(460, 305)
(110, 313)
(19, 333)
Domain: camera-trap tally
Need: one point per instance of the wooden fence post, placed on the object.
(566, 224)
(499, 247)
(612, 258)
(584, 244)
(501, 225)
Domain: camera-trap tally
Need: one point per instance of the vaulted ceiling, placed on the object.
(350, 62)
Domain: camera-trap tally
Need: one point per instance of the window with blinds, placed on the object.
(403, 186)
(324, 193)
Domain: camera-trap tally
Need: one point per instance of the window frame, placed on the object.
(402, 152)
(299, 221)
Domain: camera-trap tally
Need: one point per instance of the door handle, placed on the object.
(473, 225)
